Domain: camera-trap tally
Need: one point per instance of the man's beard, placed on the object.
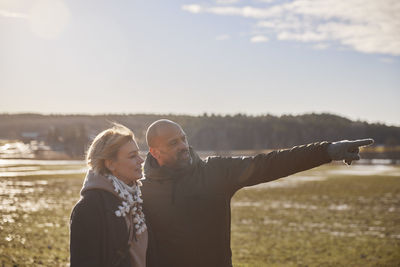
(183, 159)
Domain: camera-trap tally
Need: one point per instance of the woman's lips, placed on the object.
(139, 170)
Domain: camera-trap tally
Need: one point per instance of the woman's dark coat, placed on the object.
(98, 237)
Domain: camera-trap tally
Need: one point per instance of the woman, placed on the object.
(107, 224)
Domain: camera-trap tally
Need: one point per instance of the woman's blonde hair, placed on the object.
(106, 146)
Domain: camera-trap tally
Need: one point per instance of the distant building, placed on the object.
(29, 136)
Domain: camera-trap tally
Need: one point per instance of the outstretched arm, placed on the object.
(238, 172)
(246, 171)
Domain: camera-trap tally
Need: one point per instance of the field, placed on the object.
(333, 215)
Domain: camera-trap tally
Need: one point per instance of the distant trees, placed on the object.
(73, 140)
(264, 132)
(72, 133)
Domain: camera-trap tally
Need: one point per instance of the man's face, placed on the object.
(172, 148)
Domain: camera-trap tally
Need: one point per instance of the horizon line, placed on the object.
(201, 115)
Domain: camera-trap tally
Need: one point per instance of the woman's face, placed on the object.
(128, 165)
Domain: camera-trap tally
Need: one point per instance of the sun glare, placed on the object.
(49, 18)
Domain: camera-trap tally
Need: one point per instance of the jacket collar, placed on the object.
(95, 180)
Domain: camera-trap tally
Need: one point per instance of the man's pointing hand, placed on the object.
(347, 150)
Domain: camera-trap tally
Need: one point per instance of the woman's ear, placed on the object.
(109, 165)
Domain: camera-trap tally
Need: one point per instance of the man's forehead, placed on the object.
(161, 131)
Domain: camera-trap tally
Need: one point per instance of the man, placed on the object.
(187, 200)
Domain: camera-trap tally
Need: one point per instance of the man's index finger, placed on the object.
(362, 142)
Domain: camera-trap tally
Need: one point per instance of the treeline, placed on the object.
(72, 133)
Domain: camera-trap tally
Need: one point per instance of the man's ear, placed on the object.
(109, 165)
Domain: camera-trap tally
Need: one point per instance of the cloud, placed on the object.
(223, 37)
(247, 11)
(259, 39)
(46, 18)
(193, 8)
(49, 18)
(367, 26)
(12, 9)
(227, 2)
(8, 14)
(308, 36)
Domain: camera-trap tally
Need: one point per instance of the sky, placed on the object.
(202, 56)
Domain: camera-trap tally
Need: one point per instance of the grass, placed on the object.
(340, 219)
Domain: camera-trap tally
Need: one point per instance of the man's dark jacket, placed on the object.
(189, 210)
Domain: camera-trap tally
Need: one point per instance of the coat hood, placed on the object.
(97, 181)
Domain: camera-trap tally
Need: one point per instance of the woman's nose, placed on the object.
(141, 160)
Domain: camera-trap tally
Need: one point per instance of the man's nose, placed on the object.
(183, 145)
